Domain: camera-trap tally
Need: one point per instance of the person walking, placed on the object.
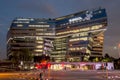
(41, 76)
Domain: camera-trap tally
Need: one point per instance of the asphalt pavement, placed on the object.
(62, 75)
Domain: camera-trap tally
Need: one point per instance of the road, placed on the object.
(63, 75)
(85, 75)
(22, 75)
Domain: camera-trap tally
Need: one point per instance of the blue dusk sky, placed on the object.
(10, 9)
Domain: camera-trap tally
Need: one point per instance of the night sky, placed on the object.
(10, 9)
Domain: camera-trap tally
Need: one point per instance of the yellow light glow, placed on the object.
(38, 50)
(39, 46)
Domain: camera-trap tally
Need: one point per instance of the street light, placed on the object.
(119, 49)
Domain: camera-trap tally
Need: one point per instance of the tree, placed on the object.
(107, 58)
(45, 58)
(25, 55)
(107, 55)
(21, 55)
(96, 59)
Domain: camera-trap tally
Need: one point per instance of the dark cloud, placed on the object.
(38, 7)
(3, 30)
(4, 25)
(2, 19)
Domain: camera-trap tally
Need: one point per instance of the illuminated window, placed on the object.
(91, 39)
(39, 29)
(85, 29)
(58, 48)
(97, 49)
(77, 49)
(39, 38)
(88, 51)
(40, 46)
(21, 22)
(84, 34)
(39, 25)
(39, 41)
(65, 32)
(19, 25)
(96, 27)
(72, 49)
(75, 31)
(39, 33)
(76, 35)
(59, 52)
(49, 33)
(84, 38)
(76, 39)
(38, 50)
(100, 37)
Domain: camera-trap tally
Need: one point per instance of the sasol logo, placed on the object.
(88, 16)
(76, 19)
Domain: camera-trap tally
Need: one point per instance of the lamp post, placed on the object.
(119, 49)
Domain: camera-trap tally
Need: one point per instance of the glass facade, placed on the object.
(31, 35)
(84, 34)
(75, 37)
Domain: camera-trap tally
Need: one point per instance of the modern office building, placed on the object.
(80, 36)
(75, 37)
(30, 34)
